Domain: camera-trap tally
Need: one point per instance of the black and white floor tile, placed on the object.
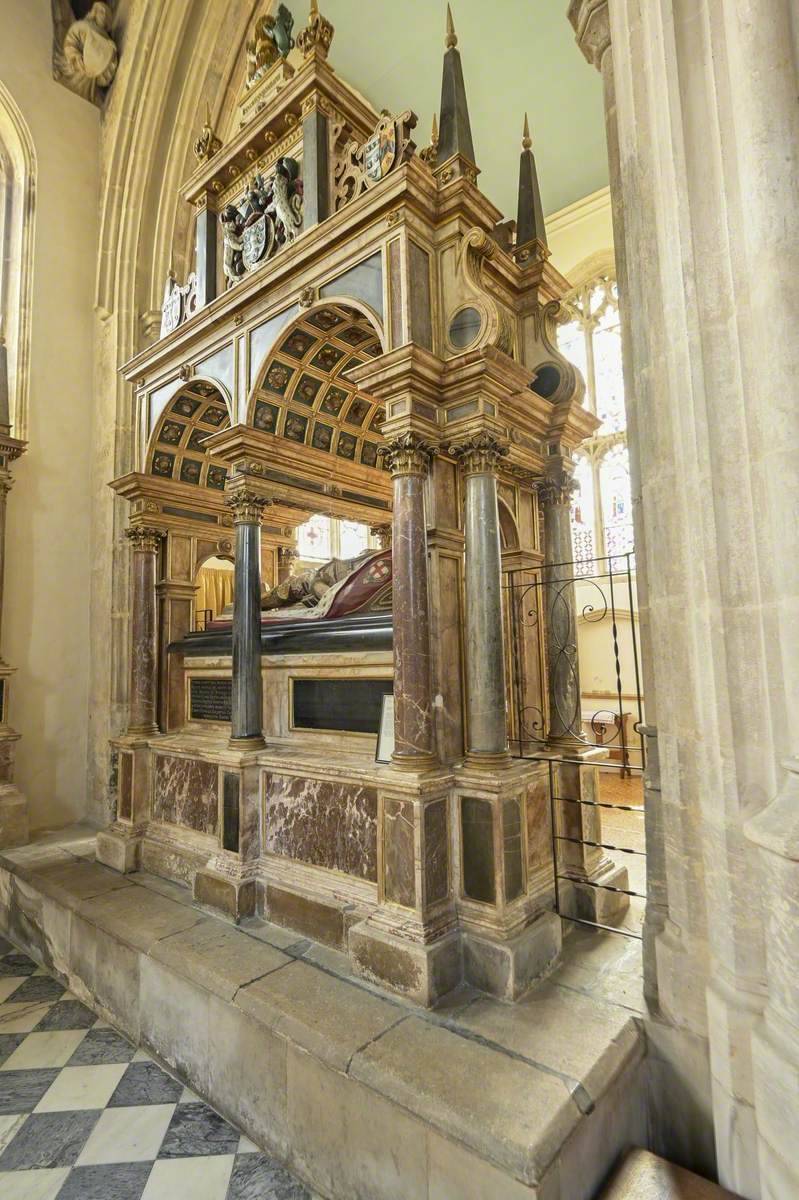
(84, 1115)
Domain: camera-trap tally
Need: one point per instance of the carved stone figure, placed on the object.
(287, 192)
(84, 53)
(272, 40)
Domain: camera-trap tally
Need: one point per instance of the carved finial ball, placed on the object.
(526, 139)
(451, 40)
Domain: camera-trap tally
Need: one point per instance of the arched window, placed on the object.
(322, 538)
(601, 506)
(17, 169)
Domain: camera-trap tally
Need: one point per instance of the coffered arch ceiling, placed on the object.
(176, 448)
(303, 393)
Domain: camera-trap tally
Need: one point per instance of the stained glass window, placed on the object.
(601, 506)
(322, 538)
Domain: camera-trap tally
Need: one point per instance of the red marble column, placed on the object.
(408, 457)
(143, 648)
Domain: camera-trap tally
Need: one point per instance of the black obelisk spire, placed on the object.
(455, 133)
(529, 214)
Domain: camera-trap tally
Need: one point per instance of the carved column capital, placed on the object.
(591, 23)
(479, 454)
(408, 454)
(557, 487)
(286, 555)
(383, 535)
(145, 538)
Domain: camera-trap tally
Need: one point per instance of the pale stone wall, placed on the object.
(46, 617)
(581, 233)
(703, 137)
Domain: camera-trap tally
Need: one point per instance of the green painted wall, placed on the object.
(517, 55)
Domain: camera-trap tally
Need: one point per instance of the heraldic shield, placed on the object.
(380, 150)
(255, 241)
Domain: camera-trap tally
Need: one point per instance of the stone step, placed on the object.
(361, 1094)
(644, 1176)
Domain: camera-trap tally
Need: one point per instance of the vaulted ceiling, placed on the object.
(518, 55)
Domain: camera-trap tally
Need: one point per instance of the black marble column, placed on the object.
(247, 708)
(408, 457)
(145, 542)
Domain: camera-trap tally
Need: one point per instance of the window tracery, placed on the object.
(591, 340)
(322, 538)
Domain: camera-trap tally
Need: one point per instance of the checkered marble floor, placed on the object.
(84, 1115)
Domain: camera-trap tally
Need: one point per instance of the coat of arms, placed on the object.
(267, 216)
(380, 150)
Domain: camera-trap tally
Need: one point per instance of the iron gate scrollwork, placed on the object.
(550, 609)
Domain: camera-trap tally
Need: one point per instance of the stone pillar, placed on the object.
(485, 650)
(246, 729)
(119, 846)
(13, 805)
(408, 457)
(143, 645)
(703, 140)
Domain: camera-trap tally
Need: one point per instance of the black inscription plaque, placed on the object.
(210, 699)
(351, 705)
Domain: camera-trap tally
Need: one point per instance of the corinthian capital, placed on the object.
(479, 454)
(408, 454)
(144, 538)
(247, 505)
(557, 487)
(591, 24)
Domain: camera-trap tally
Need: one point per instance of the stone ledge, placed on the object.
(472, 1102)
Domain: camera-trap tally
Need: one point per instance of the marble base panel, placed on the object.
(422, 973)
(506, 969)
(13, 817)
(235, 898)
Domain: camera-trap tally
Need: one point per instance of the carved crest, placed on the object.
(271, 40)
(380, 150)
(362, 166)
(267, 216)
(180, 302)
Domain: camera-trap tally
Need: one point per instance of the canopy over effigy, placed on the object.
(363, 334)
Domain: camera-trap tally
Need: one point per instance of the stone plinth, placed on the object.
(361, 1095)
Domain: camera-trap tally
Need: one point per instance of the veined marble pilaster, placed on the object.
(408, 457)
(560, 608)
(144, 541)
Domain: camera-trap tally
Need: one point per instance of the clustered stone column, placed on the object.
(485, 651)
(13, 805)
(247, 505)
(144, 542)
(561, 621)
(408, 457)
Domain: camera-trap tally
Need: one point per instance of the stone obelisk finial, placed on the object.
(529, 214)
(455, 134)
